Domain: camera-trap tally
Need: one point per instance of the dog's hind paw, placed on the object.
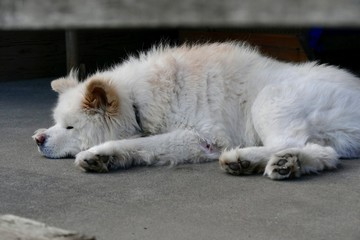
(282, 166)
(90, 162)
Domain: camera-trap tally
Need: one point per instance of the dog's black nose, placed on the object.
(40, 139)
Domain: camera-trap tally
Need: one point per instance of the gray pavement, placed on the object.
(184, 202)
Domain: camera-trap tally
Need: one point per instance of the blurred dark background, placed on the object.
(42, 54)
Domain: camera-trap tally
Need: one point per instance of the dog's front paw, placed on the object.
(90, 162)
(282, 166)
(231, 162)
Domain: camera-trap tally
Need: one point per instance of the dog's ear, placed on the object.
(100, 97)
(62, 84)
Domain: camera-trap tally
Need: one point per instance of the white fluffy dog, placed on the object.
(206, 102)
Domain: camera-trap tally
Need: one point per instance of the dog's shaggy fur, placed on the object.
(206, 102)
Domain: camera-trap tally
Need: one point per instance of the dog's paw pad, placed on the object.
(232, 164)
(239, 165)
(91, 162)
(283, 166)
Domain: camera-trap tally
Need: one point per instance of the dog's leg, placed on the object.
(175, 147)
(291, 162)
(243, 161)
(294, 162)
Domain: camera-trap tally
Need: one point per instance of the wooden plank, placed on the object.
(17, 228)
(44, 14)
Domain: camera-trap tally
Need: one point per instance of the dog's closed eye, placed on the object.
(69, 127)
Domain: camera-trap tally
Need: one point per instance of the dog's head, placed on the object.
(87, 113)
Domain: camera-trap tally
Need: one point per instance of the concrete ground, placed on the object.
(185, 202)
